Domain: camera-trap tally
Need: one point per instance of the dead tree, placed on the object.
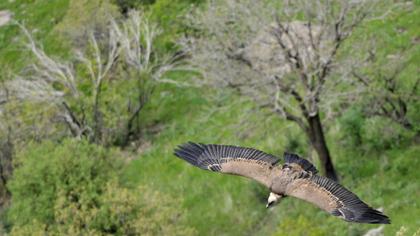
(288, 61)
(74, 87)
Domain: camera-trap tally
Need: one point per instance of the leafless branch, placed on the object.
(48, 69)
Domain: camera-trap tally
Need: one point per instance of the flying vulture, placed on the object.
(297, 177)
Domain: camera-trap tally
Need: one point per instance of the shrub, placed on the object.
(72, 188)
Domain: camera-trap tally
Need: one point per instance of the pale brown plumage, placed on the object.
(297, 177)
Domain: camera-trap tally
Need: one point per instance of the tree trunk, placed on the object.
(6, 153)
(317, 139)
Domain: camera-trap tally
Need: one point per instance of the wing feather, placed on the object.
(303, 163)
(335, 199)
(248, 162)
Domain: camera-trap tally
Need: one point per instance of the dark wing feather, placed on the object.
(228, 159)
(335, 199)
(305, 164)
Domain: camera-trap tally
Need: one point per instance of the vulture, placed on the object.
(297, 177)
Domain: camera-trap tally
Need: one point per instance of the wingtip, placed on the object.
(189, 152)
(369, 216)
(374, 217)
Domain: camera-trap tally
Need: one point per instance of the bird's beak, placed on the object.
(267, 206)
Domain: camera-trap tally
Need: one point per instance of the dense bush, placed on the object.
(72, 188)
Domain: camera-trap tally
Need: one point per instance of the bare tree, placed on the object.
(283, 55)
(138, 36)
(121, 57)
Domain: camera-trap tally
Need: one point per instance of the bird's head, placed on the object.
(273, 199)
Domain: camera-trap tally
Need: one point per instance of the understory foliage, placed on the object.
(72, 188)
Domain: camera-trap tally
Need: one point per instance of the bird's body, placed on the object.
(297, 177)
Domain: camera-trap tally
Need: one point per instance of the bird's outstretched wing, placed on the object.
(335, 199)
(235, 160)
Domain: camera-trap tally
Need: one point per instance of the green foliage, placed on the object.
(84, 16)
(381, 134)
(170, 14)
(374, 133)
(76, 170)
(391, 90)
(41, 16)
(29, 120)
(119, 211)
(72, 189)
(351, 124)
(300, 227)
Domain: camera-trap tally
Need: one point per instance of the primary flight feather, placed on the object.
(297, 177)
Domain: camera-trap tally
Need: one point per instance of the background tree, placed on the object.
(287, 59)
(99, 92)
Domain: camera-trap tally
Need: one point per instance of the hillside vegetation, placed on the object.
(97, 158)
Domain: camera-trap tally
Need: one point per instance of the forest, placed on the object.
(95, 95)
